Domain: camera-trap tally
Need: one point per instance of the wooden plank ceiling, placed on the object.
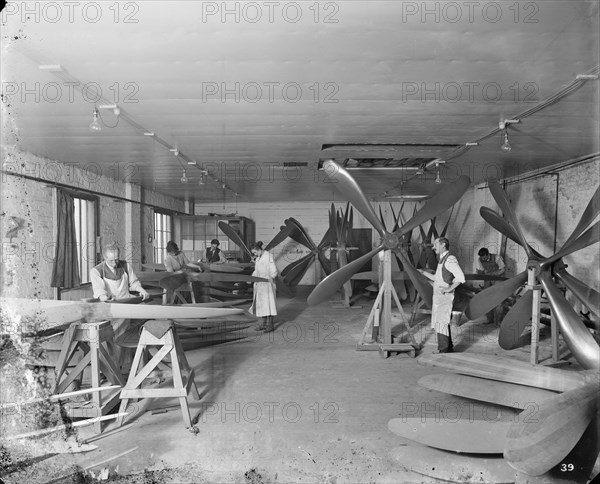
(257, 93)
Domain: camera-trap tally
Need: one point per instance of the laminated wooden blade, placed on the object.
(445, 229)
(220, 268)
(536, 445)
(328, 286)
(496, 392)
(504, 204)
(292, 266)
(173, 281)
(491, 297)
(299, 234)
(589, 215)
(501, 225)
(234, 236)
(211, 304)
(420, 282)
(433, 233)
(327, 240)
(223, 277)
(587, 295)
(283, 234)
(580, 341)
(507, 370)
(217, 293)
(325, 264)
(154, 267)
(382, 218)
(468, 436)
(452, 467)
(515, 321)
(282, 289)
(352, 192)
(297, 270)
(438, 204)
(589, 237)
(333, 225)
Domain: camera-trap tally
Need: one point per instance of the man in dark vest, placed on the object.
(213, 252)
(489, 265)
(448, 276)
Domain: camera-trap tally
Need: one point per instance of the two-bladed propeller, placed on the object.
(389, 240)
(547, 269)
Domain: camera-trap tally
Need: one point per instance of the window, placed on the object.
(162, 234)
(85, 231)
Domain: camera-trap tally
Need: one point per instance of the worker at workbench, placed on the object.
(114, 278)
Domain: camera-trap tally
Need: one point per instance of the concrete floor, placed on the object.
(297, 405)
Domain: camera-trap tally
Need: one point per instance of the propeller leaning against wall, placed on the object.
(548, 270)
(394, 240)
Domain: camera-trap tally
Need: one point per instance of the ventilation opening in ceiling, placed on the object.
(380, 163)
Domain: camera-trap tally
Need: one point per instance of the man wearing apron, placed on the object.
(113, 279)
(448, 276)
(491, 265)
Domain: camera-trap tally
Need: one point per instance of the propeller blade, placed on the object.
(333, 226)
(534, 446)
(303, 236)
(502, 200)
(328, 286)
(589, 215)
(582, 344)
(433, 230)
(589, 237)
(438, 204)
(327, 240)
(353, 193)
(420, 282)
(515, 322)
(588, 296)
(382, 218)
(290, 267)
(283, 234)
(234, 236)
(222, 277)
(295, 275)
(173, 282)
(325, 264)
(489, 298)
(445, 229)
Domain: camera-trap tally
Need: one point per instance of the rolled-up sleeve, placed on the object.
(98, 286)
(452, 266)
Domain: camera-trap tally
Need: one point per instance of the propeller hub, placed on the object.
(391, 241)
(535, 265)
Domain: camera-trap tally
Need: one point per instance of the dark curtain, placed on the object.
(65, 272)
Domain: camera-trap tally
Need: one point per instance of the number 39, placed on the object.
(567, 467)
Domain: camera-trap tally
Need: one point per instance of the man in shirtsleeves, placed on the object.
(112, 279)
(448, 276)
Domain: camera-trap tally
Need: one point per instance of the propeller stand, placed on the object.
(535, 312)
(381, 316)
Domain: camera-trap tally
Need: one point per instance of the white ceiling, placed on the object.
(380, 63)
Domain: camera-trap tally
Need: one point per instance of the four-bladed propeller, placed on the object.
(547, 269)
(389, 240)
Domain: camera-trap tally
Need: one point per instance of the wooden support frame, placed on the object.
(91, 339)
(183, 374)
(381, 317)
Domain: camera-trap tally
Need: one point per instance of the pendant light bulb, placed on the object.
(438, 180)
(506, 145)
(95, 125)
(184, 178)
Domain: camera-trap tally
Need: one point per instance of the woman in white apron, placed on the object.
(263, 303)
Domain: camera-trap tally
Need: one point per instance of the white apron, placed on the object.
(263, 301)
(441, 310)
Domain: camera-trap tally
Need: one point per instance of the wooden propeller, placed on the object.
(389, 240)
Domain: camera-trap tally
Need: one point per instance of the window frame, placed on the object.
(86, 261)
(161, 235)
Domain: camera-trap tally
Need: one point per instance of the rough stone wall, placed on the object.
(28, 253)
